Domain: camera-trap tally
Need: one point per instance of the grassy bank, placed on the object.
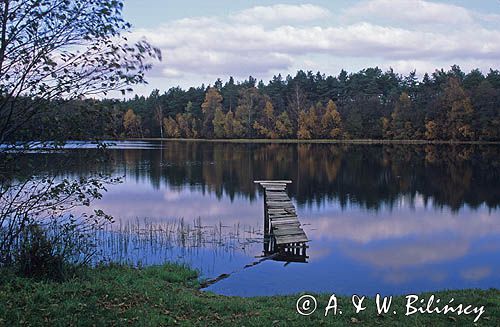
(168, 295)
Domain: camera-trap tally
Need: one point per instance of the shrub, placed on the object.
(38, 257)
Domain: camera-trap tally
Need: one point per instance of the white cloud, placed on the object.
(411, 12)
(357, 227)
(245, 43)
(410, 254)
(281, 13)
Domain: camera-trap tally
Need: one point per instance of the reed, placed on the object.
(146, 241)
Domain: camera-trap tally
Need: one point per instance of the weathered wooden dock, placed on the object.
(281, 223)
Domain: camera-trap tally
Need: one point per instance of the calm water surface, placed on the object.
(393, 219)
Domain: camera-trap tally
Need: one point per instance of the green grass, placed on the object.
(168, 295)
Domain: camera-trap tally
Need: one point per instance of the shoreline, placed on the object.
(315, 141)
(170, 295)
(286, 141)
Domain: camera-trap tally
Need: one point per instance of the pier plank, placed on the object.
(281, 214)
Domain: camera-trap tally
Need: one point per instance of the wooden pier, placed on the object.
(282, 229)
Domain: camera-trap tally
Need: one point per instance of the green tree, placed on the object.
(284, 127)
(459, 111)
(486, 100)
(56, 50)
(39, 57)
(354, 122)
(249, 103)
(401, 126)
(218, 123)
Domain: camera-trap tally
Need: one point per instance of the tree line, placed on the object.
(369, 104)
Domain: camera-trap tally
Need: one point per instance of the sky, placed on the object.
(205, 40)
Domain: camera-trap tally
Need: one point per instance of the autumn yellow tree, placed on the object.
(331, 122)
(304, 132)
(171, 127)
(132, 124)
(431, 130)
(266, 127)
(213, 101)
(308, 126)
(313, 120)
(187, 125)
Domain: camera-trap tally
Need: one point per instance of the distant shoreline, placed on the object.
(314, 141)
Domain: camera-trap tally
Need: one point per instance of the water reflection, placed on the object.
(382, 218)
(371, 176)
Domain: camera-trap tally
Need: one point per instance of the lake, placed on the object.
(390, 219)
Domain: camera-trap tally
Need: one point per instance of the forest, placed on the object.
(370, 104)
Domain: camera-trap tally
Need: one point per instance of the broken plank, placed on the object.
(290, 239)
(282, 221)
(282, 216)
(278, 223)
(294, 233)
(288, 229)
